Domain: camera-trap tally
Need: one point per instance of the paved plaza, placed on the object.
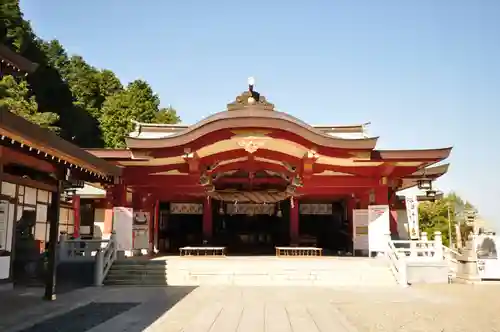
(427, 308)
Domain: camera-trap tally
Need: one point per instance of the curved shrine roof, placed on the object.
(245, 115)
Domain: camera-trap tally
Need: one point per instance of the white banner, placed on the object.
(378, 227)
(123, 219)
(360, 229)
(412, 215)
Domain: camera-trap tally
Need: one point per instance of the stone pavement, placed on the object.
(428, 308)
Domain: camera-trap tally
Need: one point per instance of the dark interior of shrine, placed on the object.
(258, 232)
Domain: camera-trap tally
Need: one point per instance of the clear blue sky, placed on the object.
(426, 73)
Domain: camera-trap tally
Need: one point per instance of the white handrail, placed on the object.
(397, 264)
(451, 256)
(104, 260)
(102, 253)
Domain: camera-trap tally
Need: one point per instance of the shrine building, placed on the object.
(251, 178)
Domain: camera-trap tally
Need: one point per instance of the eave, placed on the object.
(412, 155)
(432, 173)
(33, 137)
(16, 61)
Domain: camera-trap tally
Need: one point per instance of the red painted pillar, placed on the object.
(207, 219)
(116, 195)
(382, 195)
(76, 215)
(364, 200)
(294, 222)
(119, 195)
(393, 213)
(350, 206)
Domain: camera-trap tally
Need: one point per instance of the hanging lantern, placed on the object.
(221, 210)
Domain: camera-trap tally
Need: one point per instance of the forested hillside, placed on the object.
(84, 104)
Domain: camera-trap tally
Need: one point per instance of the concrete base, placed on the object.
(468, 281)
(252, 271)
(428, 272)
(278, 272)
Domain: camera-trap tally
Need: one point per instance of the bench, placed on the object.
(298, 251)
(202, 251)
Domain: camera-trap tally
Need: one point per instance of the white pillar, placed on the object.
(423, 236)
(99, 265)
(112, 242)
(438, 245)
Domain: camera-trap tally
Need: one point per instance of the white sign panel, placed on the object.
(412, 215)
(4, 217)
(123, 219)
(360, 229)
(141, 229)
(378, 227)
(487, 249)
(4, 267)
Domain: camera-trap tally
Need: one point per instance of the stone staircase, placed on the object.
(253, 271)
(137, 273)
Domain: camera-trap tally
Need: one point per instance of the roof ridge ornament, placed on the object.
(250, 98)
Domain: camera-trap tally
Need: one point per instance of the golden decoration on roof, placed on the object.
(250, 99)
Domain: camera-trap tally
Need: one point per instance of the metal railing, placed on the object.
(102, 252)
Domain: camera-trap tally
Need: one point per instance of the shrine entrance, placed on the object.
(250, 228)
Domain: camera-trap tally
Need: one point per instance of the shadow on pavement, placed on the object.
(133, 308)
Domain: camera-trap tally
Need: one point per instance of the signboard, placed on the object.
(378, 227)
(412, 215)
(360, 230)
(186, 208)
(141, 229)
(250, 209)
(316, 209)
(122, 225)
(488, 249)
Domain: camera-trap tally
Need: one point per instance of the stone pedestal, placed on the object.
(467, 265)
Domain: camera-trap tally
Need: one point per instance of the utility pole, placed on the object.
(449, 225)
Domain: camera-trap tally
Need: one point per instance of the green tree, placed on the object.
(167, 115)
(15, 96)
(76, 91)
(443, 213)
(136, 102)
